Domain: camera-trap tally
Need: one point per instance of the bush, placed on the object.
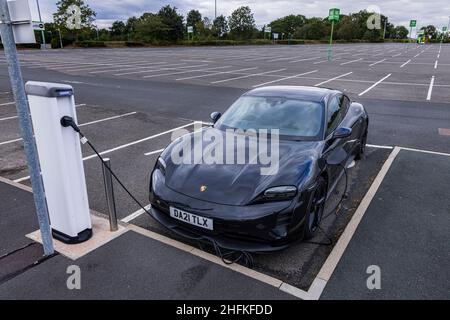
(292, 41)
(26, 46)
(134, 44)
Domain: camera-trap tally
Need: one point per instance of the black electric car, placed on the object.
(319, 132)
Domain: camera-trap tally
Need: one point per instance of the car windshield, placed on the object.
(296, 119)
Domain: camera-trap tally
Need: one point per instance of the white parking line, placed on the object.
(6, 104)
(396, 55)
(10, 141)
(417, 54)
(405, 63)
(190, 71)
(436, 64)
(153, 152)
(285, 78)
(124, 146)
(430, 89)
(371, 65)
(374, 85)
(348, 62)
(215, 73)
(306, 59)
(8, 118)
(162, 69)
(335, 78)
(107, 119)
(127, 67)
(136, 214)
(249, 75)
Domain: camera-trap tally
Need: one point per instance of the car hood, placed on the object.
(238, 184)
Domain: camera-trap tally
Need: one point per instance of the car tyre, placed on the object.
(316, 209)
(362, 147)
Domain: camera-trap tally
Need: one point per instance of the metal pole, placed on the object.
(109, 190)
(40, 20)
(60, 38)
(330, 48)
(384, 32)
(23, 114)
(215, 9)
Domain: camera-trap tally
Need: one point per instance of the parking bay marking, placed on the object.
(405, 63)
(335, 78)
(371, 65)
(430, 89)
(215, 73)
(80, 125)
(374, 85)
(124, 146)
(162, 69)
(209, 69)
(15, 117)
(285, 78)
(348, 62)
(249, 75)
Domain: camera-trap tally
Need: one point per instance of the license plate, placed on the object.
(191, 218)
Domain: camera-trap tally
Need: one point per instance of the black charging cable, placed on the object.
(227, 258)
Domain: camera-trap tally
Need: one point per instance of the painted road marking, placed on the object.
(80, 125)
(374, 85)
(396, 55)
(7, 104)
(162, 69)
(335, 78)
(153, 152)
(371, 65)
(306, 59)
(249, 75)
(436, 64)
(285, 78)
(123, 146)
(187, 71)
(8, 118)
(215, 73)
(430, 89)
(348, 62)
(136, 214)
(405, 63)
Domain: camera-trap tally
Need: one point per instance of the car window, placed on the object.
(334, 114)
(294, 118)
(344, 105)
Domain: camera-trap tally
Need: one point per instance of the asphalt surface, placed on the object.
(408, 241)
(127, 96)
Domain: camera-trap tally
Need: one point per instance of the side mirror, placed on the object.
(342, 132)
(215, 116)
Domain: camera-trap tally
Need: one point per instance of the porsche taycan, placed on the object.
(237, 204)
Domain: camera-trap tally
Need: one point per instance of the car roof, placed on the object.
(294, 92)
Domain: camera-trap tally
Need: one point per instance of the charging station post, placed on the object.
(61, 160)
(18, 89)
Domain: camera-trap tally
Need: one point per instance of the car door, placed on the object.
(336, 149)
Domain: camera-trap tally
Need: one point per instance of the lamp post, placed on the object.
(60, 38)
(215, 9)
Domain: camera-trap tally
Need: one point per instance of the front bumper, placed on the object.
(260, 227)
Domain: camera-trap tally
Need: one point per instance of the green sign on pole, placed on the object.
(334, 16)
(413, 23)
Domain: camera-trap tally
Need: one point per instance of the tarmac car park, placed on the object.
(130, 101)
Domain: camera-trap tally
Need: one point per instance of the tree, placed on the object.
(193, 18)
(242, 23)
(170, 17)
(430, 32)
(150, 28)
(118, 29)
(313, 29)
(287, 24)
(70, 23)
(399, 32)
(220, 26)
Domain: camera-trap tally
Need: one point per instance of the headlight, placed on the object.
(161, 165)
(280, 193)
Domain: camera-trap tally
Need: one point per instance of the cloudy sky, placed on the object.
(435, 12)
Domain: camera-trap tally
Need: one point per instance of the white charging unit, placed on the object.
(61, 160)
